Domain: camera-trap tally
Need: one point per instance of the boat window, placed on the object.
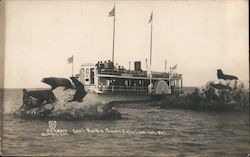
(87, 80)
(87, 71)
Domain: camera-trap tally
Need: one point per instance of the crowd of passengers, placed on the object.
(109, 66)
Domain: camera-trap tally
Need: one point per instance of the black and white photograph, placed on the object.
(124, 78)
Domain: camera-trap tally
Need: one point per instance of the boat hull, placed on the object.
(124, 98)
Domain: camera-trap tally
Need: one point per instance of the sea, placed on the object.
(182, 132)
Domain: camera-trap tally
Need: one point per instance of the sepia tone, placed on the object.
(124, 78)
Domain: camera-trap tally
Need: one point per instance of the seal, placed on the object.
(223, 76)
(38, 97)
(56, 82)
(80, 91)
(29, 102)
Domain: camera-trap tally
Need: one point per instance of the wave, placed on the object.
(92, 107)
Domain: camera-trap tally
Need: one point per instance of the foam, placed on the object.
(91, 107)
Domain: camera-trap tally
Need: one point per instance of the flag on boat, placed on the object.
(70, 59)
(112, 12)
(175, 67)
(151, 17)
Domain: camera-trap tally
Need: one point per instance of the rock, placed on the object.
(92, 107)
(210, 98)
(49, 107)
(232, 91)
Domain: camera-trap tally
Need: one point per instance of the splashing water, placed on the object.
(92, 107)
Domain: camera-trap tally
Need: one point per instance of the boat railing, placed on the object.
(123, 89)
(122, 72)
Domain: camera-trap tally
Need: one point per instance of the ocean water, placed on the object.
(188, 133)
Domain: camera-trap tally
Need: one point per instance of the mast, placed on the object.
(151, 36)
(72, 65)
(112, 13)
(113, 50)
(165, 65)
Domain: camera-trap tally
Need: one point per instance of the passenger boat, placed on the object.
(117, 83)
(106, 79)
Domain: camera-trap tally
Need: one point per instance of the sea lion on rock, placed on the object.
(80, 91)
(29, 102)
(38, 97)
(56, 82)
(223, 76)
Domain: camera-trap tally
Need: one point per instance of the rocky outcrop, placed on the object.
(227, 92)
(89, 108)
(216, 95)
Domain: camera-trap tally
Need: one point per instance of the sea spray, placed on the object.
(91, 107)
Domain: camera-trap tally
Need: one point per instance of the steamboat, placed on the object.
(116, 83)
(106, 79)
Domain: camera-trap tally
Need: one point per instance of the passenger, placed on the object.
(106, 65)
(97, 64)
(101, 65)
(123, 69)
(110, 65)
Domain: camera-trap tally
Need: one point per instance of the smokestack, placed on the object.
(137, 66)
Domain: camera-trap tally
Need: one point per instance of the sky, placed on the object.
(199, 36)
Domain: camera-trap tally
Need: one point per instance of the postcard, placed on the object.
(124, 78)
